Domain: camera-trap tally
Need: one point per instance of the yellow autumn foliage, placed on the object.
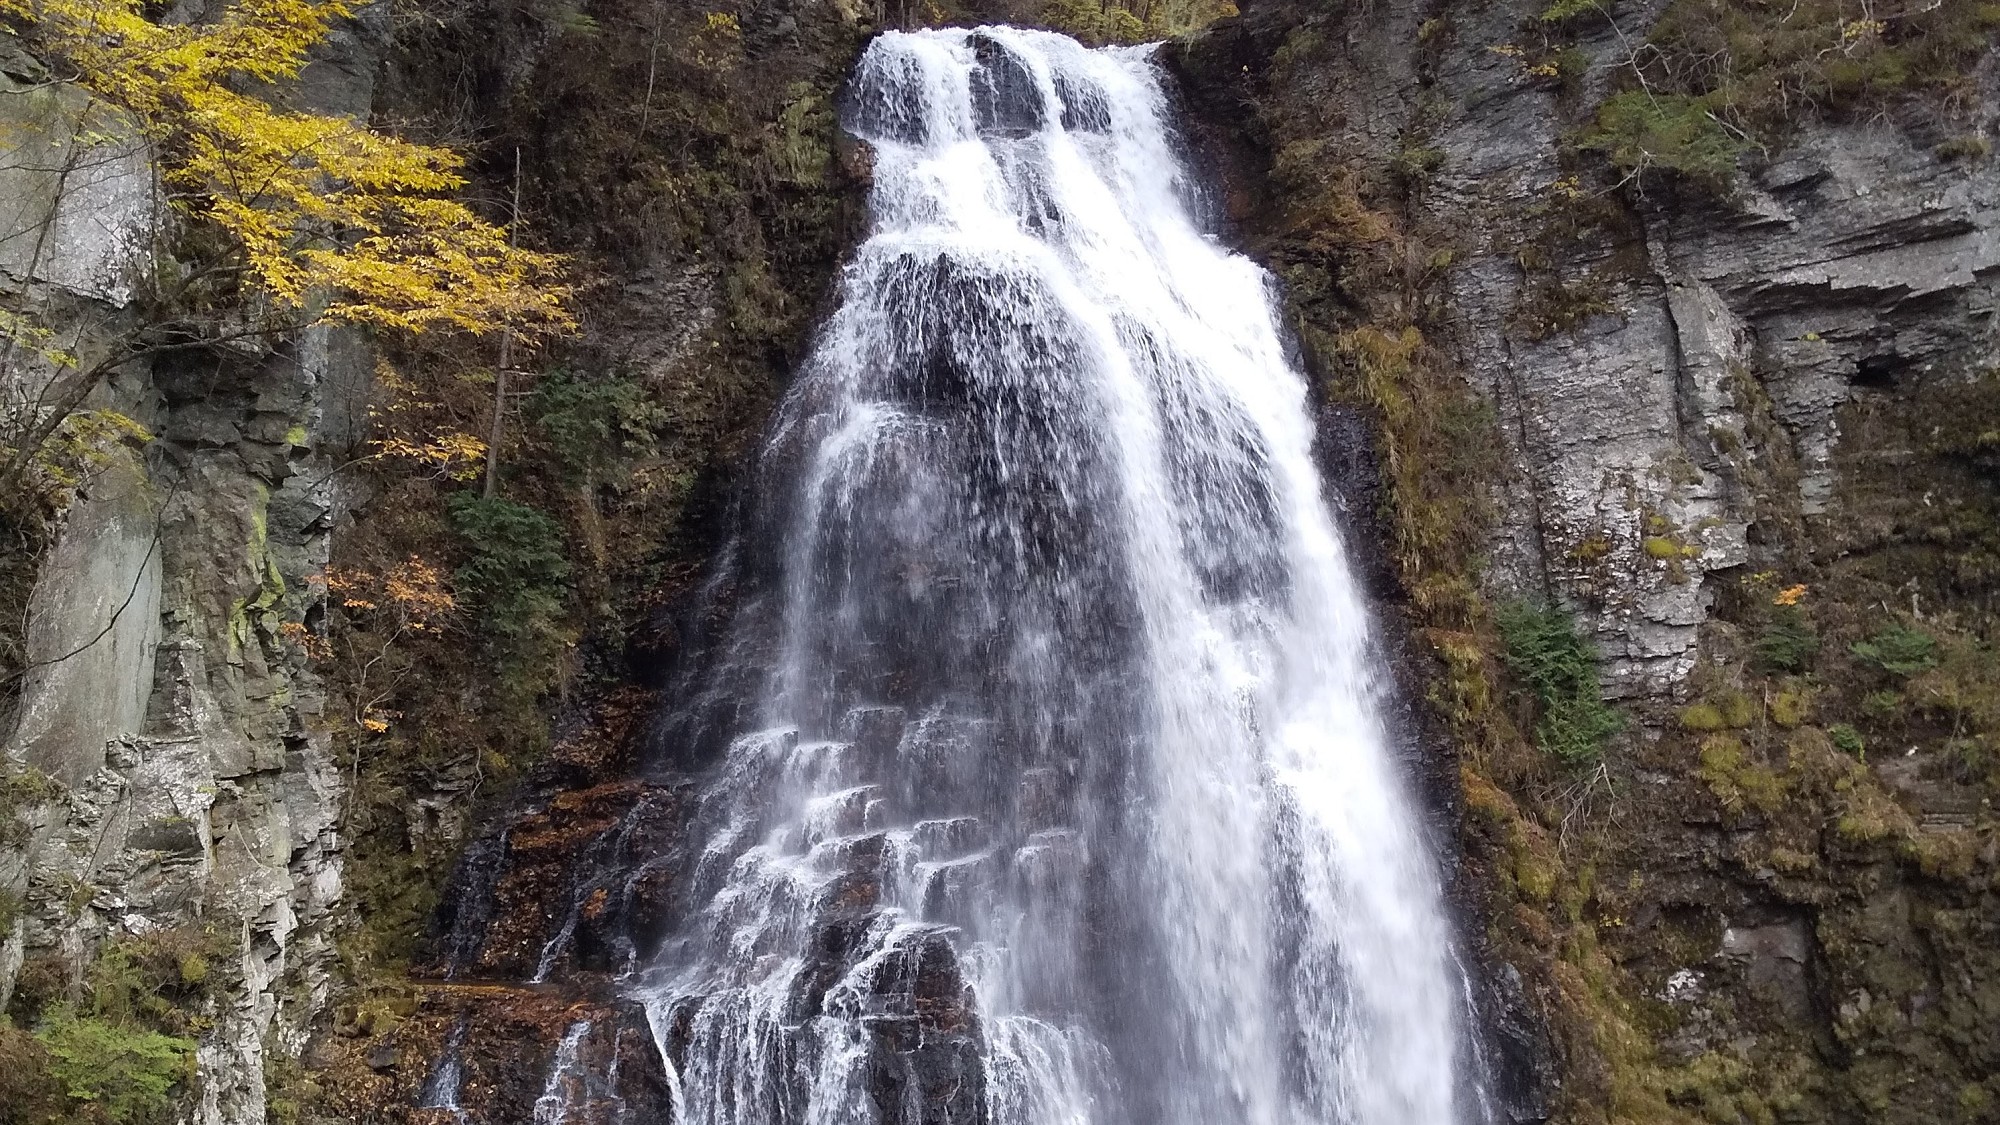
(327, 220)
(451, 455)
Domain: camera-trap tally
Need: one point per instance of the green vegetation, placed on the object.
(128, 1074)
(21, 787)
(162, 981)
(1564, 10)
(517, 571)
(1417, 164)
(1791, 708)
(593, 428)
(1847, 740)
(1962, 692)
(1729, 710)
(1739, 710)
(1788, 641)
(1715, 78)
(1762, 63)
(1883, 706)
(1641, 131)
(1898, 650)
(1438, 453)
(1736, 779)
(1971, 146)
(1133, 21)
(1702, 717)
(1661, 547)
(1867, 814)
(1559, 668)
(117, 1046)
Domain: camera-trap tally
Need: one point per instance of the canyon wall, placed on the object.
(1737, 428)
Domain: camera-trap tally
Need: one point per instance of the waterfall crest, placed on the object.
(1050, 785)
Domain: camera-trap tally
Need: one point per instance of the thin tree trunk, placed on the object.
(497, 431)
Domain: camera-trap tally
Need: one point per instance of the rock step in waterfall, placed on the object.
(1038, 775)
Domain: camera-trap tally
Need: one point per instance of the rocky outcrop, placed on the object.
(194, 795)
(203, 797)
(1667, 376)
(1688, 418)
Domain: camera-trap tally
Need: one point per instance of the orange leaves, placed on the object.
(413, 591)
(418, 590)
(375, 613)
(312, 644)
(1788, 596)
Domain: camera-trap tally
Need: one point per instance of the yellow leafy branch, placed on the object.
(453, 455)
(323, 210)
(323, 220)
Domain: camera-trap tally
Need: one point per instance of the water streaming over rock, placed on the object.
(441, 1087)
(567, 1082)
(1045, 780)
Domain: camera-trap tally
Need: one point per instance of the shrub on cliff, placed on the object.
(517, 572)
(1714, 78)
(1788, 642)
(127, 1075)
(1641, 131)
(592, 427)
(1898, 650)
(1559, 669)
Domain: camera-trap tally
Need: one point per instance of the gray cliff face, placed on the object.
(1667, 365)
(1690, 418)
(196, 792)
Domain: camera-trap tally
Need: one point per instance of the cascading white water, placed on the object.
(1066, 690)
(441, 1087)
(566, 1080)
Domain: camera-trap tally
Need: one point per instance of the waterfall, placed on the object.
(1047, 784)
(567, 1082)
(441, 1087)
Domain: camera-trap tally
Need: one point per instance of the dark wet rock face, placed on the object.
(1523, 1066)
(500, 1053)
(582, 882)
(1005, 99)
(466, 907)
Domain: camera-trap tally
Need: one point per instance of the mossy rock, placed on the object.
(1791, 708)
(1736, 779)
